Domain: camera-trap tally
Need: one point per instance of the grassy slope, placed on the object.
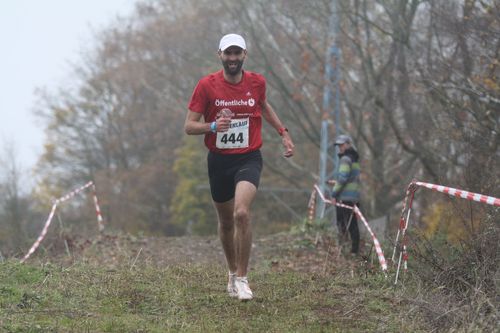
(86, 296)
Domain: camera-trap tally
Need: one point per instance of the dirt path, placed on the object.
(281, 252)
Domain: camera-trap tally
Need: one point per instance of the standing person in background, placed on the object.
(346, 190)
(232, 103)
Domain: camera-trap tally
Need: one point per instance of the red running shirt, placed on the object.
(244, 99)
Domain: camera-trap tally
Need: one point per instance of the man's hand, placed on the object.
(288, 144)
(334, 201)
(331, 182)
(223, 124)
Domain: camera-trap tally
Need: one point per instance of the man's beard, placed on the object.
(232, 70)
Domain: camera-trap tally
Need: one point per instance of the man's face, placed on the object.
(232, 59)
(343, 147)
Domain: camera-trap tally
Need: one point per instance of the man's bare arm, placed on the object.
(272, 118)
(193, 125)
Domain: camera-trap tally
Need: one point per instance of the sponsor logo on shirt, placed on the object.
(235, 102)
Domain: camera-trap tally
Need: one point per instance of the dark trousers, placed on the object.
(346, 217)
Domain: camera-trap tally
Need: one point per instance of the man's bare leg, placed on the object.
(225, 214)
(244, 196)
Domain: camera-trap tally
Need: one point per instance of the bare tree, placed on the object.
(420, 87)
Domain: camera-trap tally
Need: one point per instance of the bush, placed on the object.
(460, 283)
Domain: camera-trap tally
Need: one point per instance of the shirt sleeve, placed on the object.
(343, 176)
(199, 99)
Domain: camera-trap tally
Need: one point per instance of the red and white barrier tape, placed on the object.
(403, 225)
(404, 221)
(312, 207)
(74, 192)
(97, 209)
(42, 234)
(376, 243)
(53, 210)
(461, 194)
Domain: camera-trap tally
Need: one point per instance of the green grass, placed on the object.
(191, 298)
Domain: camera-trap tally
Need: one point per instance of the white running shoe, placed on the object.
(244, 292)
(231, 285)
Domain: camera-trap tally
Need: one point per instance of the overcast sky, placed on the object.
(39, 39)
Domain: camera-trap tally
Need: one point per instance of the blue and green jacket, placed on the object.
(347, 187)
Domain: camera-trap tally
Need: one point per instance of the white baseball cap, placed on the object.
(232, 40)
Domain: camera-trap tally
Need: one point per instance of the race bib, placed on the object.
(236, 136)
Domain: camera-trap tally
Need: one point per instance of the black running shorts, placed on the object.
(226, 170)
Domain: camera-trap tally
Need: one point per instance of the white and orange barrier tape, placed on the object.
(407, 206)
(376, 243)
(53, 210)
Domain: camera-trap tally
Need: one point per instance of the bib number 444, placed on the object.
(232, 138)
(236, 136)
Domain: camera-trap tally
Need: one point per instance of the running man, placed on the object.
(232, 103)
